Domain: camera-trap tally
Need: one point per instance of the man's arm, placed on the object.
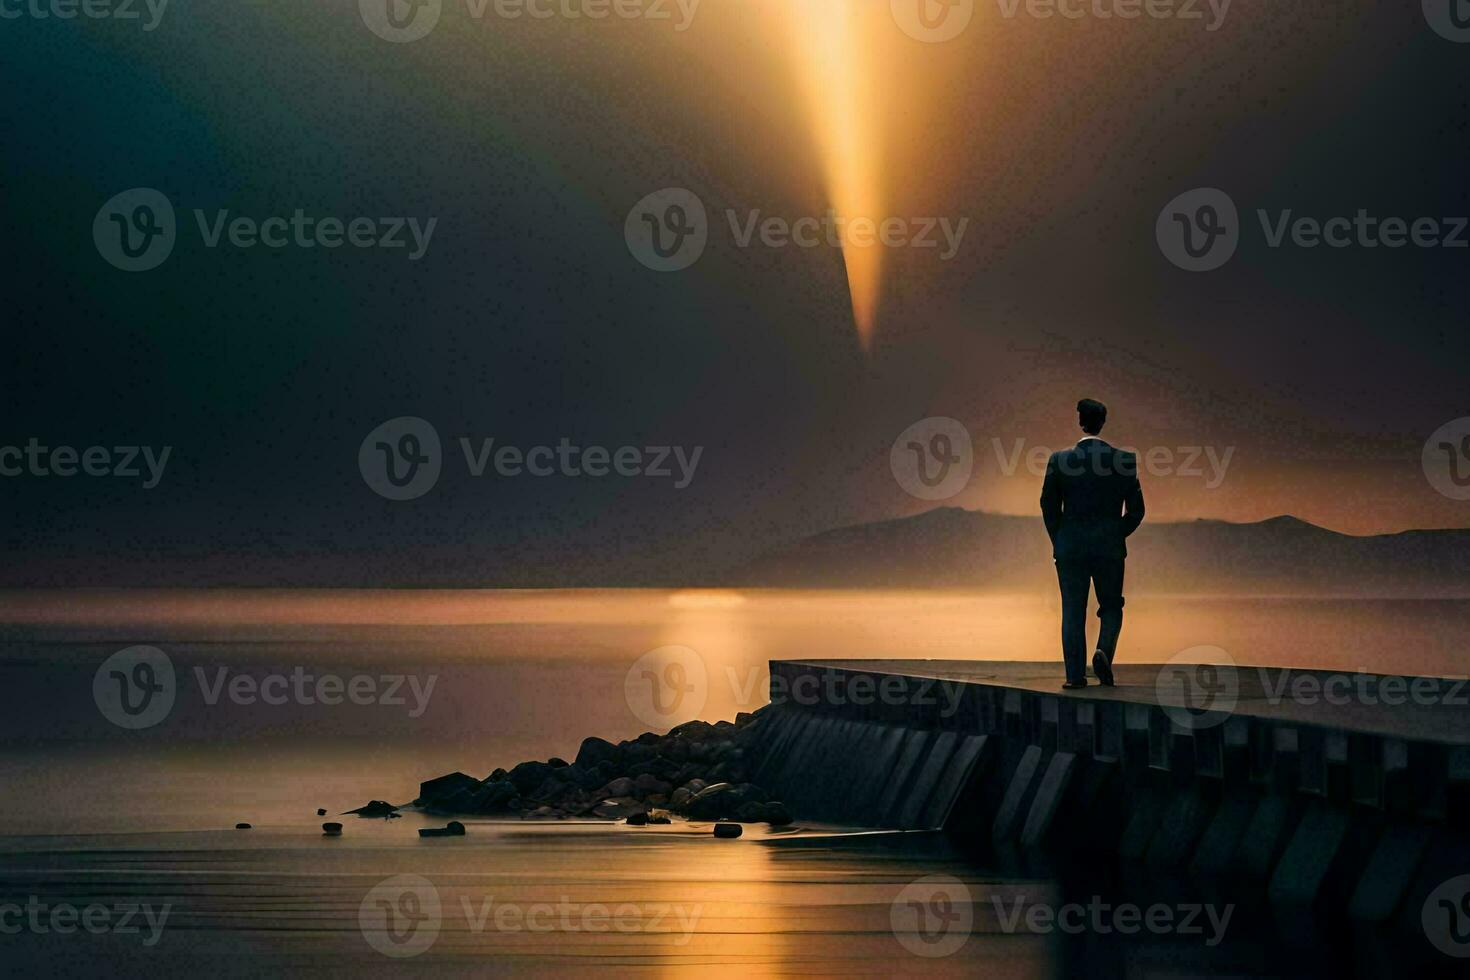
(1133, 507)
(1051, 499)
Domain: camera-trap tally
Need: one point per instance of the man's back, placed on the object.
(1091, 500)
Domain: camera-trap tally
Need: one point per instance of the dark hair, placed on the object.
(1091, 415)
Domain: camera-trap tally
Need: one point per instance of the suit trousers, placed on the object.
(1105, 576)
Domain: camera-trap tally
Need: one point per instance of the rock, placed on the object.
(556, 763)
(660, 819)
(542, 812)
(650, 738)
(452, 829)
(723, 800)
(648, 784)
(681, 798)
(744, 718)
(694, 731)
(446, 786)
(635, 752)
(619, 787)
(637, 819)
(723, 830)
(496, 776)
(774, 814)
(618, 809)
(377, 808)
(321, 812)
(657, 766)
(331, 830)
(242, 826)
(594, 751)
(529, 775)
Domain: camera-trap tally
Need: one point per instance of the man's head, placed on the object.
(1091, 415)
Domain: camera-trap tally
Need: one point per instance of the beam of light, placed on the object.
(835, 69)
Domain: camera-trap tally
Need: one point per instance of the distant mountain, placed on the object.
(953, 548)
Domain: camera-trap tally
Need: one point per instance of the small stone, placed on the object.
(242, 826)
(331, 830)
(728, 830)
(637, 819)
(321, 811)
(660, 819)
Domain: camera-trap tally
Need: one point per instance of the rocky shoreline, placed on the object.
(698, 770)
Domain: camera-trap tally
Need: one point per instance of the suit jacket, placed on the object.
(1091, 500)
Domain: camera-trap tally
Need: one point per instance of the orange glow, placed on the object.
(831, 46)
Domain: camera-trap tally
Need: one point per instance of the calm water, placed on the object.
(463, 680)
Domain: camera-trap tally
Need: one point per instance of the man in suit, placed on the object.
(1091, 501)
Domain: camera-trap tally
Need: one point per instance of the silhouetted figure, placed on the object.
(1091, 502)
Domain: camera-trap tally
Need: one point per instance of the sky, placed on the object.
(1294, 379)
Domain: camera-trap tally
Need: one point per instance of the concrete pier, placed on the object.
(1315, 787)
